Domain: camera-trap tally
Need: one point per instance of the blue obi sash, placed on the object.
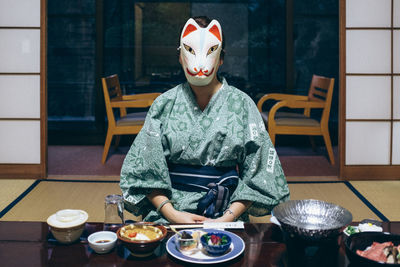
(219, 183)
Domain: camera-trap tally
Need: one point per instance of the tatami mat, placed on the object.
(384, 195)
(337, 193)
(10, 189)
(50, 196)
(114, 178)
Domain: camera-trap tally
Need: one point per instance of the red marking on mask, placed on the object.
(214, 30)
(200, 73)
(190, 28)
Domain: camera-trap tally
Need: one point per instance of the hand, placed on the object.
(184, 217)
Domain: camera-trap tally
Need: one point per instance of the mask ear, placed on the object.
(215, 29)
(189, 27)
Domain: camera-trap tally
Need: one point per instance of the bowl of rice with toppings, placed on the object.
(141, 239)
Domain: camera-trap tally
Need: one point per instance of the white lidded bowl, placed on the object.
(103, 241)
(67, 225)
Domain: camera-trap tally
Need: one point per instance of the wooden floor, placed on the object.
(35, 200)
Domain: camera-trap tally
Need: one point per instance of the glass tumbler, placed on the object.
(114, 212)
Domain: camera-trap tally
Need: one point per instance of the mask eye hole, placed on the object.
(212, 49)
(189, 49)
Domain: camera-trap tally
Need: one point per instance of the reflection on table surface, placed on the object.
(31, 244)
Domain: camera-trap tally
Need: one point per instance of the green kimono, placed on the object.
(229, 132)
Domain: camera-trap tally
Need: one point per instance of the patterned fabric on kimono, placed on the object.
(229, 132)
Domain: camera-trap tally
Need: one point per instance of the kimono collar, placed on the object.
(192, 98)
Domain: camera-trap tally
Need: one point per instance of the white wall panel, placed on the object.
(20, 96)
(20, 50)
(368, 51)
(396, 51)
(367, 143)
(20, 142)
(396, 13)
(368, 97)
(368, 13)
(396, 97)
(396, 143)
(21, 13)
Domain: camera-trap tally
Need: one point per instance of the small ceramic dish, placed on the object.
(215, 243)
(366, 225)
(369, 227)
(103, 241)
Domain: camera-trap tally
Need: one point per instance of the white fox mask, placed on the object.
(200, 50)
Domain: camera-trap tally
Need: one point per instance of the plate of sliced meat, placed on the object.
(373, 249)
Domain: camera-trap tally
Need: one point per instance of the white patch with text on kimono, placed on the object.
(253, 131)
(271, 160)
(262, 127)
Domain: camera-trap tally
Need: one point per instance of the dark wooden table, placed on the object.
(31, 244)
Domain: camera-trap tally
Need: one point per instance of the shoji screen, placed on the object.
(370, 89)
(22, 86)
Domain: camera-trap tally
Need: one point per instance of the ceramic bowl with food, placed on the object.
(103, 241)
(375, 249)
(215, 243)
(67, 225)
(141, 239)
(312, 220)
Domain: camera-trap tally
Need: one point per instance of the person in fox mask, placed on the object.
(203, 153)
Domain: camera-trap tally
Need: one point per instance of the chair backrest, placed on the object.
(321, 90)
(111, 89)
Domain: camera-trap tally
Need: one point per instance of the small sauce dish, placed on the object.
(103, 241)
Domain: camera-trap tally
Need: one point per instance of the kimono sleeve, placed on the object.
(262, 179)
(145, 167)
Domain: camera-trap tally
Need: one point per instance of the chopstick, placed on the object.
(217, 225)
(186, 226)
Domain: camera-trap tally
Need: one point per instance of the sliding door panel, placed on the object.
(20, 142)
(20, 96)
(368, 97)
(20, 50)
(22, 13)
(367, 143)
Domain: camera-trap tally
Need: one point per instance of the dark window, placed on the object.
(138, 40)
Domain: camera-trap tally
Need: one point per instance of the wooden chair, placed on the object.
(128, 123)
(290, 123)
